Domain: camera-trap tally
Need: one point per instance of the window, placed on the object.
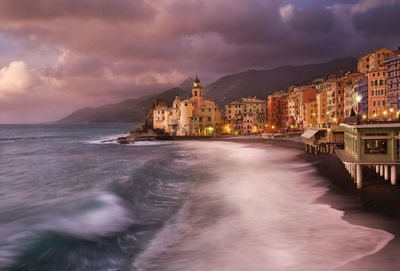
(195, 93)
(375, 146)
(374, 103)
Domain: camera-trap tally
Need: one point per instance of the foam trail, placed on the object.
(257, 212)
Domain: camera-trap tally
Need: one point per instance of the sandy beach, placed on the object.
(378, 200)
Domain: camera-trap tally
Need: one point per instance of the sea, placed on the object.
(70, 201)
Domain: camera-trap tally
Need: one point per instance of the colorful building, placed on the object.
(257, 110)
(190, 117)
(309, 107)
(234, 118)
(377, 93)
(362, 92)
(373, 60)
(278, 117)
(393, 83)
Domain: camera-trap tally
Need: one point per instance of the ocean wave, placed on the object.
(106, 140)
(87, 220)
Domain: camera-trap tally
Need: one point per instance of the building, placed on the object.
(362, 92)
(351, 94)
(256, 110)
(190, 117)
(373, 145)
(234, 118)
(377, 93)
(393, 83)
(321, 98)
(373, 60)
(309, 107)
(278, 117)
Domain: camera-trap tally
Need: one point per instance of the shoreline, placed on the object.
(343, 195)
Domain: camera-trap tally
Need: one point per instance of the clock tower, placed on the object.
(197, 96)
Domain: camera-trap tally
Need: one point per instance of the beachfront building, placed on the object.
(278, 111)
(309, 107)
(362, 93)
(256, 110)
(393, 83)
(377, 93)
(373, 145)
(373, 60)
(234, 118)
(190, 117)
(321, 98)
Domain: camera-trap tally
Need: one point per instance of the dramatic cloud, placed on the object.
(16, 79)
(90, 52)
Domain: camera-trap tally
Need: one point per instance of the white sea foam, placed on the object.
(97, 216)
(258, 212)
(106, 140)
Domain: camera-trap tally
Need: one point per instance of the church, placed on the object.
(190, 117)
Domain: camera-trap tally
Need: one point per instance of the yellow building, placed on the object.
(234, 118)
(310, 114)
(321, 98)
(190, 117)
(373, 60)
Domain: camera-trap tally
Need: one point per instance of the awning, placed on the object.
(309, 133)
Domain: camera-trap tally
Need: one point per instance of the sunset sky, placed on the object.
(57, 56)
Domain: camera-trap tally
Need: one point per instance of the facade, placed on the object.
(309, 107)
(393, 83)
(351, 94)
(373, 60)
(321, 98)
(257, 110)
(377, 93)
(234, 118)
(375, 145)
(278, 118)
(190, 117)
(362, 92)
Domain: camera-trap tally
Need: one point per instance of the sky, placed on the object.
(57, 56)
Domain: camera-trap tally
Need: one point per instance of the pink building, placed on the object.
(248, 123)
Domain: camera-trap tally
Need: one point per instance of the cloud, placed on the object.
(91, 52)
(286, 12)
(313, 19)
(16, 78)
(380, 21)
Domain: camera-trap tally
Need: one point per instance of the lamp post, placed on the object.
(358, 99)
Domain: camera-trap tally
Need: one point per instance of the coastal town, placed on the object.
(355, 115)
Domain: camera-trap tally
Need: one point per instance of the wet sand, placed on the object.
(377, 205)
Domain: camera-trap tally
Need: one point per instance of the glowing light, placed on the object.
(364, 116)
(313, 114)
(273, 127)
(374, 115)
(385, 112)
(291, 126)
(359, 98)
(327, 113)
(391, 110)
(335, 119)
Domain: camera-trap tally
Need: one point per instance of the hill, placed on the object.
(131, 110)
(262, 83)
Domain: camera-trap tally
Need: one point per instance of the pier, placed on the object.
(375, 146)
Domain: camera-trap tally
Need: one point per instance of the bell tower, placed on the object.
(197, 96)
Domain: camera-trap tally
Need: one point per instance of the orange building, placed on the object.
(377, 92)
(278, 113)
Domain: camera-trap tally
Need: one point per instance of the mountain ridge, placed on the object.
(249, 83)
